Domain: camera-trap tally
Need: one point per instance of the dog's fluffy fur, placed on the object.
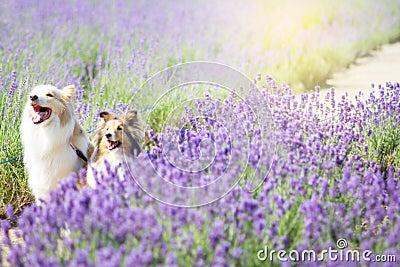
(48, 129)
(116, 139)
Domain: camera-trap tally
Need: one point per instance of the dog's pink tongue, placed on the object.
(36, 117)
(111, 145)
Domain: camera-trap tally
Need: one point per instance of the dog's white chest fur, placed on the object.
(113, 163)
(48, 155)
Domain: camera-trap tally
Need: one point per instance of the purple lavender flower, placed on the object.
(322, 183)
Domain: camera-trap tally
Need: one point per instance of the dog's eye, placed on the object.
(119, 128)
(49, 95)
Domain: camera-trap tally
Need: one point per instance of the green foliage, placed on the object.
(384, 144)
(14, 187)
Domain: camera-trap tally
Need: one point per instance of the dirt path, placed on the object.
(382, 66)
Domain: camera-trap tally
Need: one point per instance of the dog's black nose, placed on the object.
(108, 135)
(33, 97)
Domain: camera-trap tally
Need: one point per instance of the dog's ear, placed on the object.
(68, 91)
(130, 116)
(106, 116)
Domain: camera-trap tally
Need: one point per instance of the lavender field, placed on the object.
(327, 171)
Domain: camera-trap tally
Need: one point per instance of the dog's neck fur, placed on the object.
(108, 154)
(50, 136)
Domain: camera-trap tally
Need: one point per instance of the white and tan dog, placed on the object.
(117, 140)
(54, 143)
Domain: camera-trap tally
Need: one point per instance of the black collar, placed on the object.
(79, 153)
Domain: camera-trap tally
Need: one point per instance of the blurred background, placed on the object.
(301, 43)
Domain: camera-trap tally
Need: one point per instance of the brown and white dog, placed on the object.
(116, 140)
(54, 143)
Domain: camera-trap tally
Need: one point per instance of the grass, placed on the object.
(14, 188)
(384, 144)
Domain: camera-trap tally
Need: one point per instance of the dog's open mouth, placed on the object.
(40, 114)
(113, 144)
